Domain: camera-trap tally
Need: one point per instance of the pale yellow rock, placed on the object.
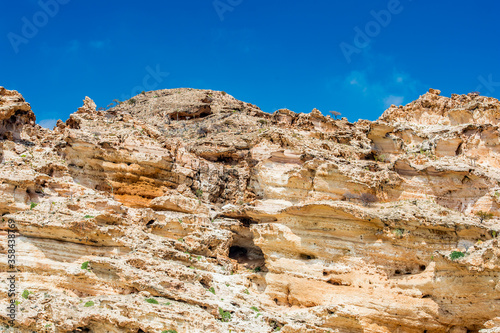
(235, 220)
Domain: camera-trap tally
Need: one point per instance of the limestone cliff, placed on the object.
(187, 210)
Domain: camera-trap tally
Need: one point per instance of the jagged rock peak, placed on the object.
(434, 109)
(15, 112)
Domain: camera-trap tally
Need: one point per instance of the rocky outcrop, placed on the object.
(14, 114)
(190, 211)
(433, 109)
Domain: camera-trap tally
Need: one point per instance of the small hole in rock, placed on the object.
(304, 256)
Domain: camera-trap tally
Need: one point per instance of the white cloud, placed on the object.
(396, 100)
(48, 123)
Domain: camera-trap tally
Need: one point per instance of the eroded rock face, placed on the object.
(189, 210)
(431, 108)
(14, 114)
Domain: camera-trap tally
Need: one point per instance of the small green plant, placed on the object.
(85, 265)
(257, 269)
(180, 220)
(199, 193)
(181, 239)
(246, 291)
(198, 258)
(23, 155)
(88, 217)
(399, 232)
(493, 234)
(168, 303)
(484, 216)
(152, 301)
(131, 101)
(33, 205)
(223, 93)
(143, 92)
(89, 304)
(169, 331)
(17, 303)
(26, 294)
(256, 309)
(456, 255)
(225, 316)
(212, 290)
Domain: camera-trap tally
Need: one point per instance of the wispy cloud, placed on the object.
(47, 123)
(396, 100)
(375, 85)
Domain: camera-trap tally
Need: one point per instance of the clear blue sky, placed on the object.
(274, 54)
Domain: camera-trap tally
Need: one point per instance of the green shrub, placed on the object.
(257, 269)
(89, 304)
(25, 294)
(484, 216)
(88, 217)
(225, 316)
(456, 255)
(169, 331)
(152, 301)
(85, 265)
(212, 290)
(199, 193)
(33, 205)
(256, 309)
(246, 291)
(399, 232)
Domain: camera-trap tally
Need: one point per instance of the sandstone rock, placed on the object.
(189, 210)
(14, 114)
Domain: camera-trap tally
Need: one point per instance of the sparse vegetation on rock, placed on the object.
(189, 210)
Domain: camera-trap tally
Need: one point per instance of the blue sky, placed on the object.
(356, 57)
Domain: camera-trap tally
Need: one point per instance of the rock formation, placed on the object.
(187, 211)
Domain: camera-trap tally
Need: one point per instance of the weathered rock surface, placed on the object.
(191, 211)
